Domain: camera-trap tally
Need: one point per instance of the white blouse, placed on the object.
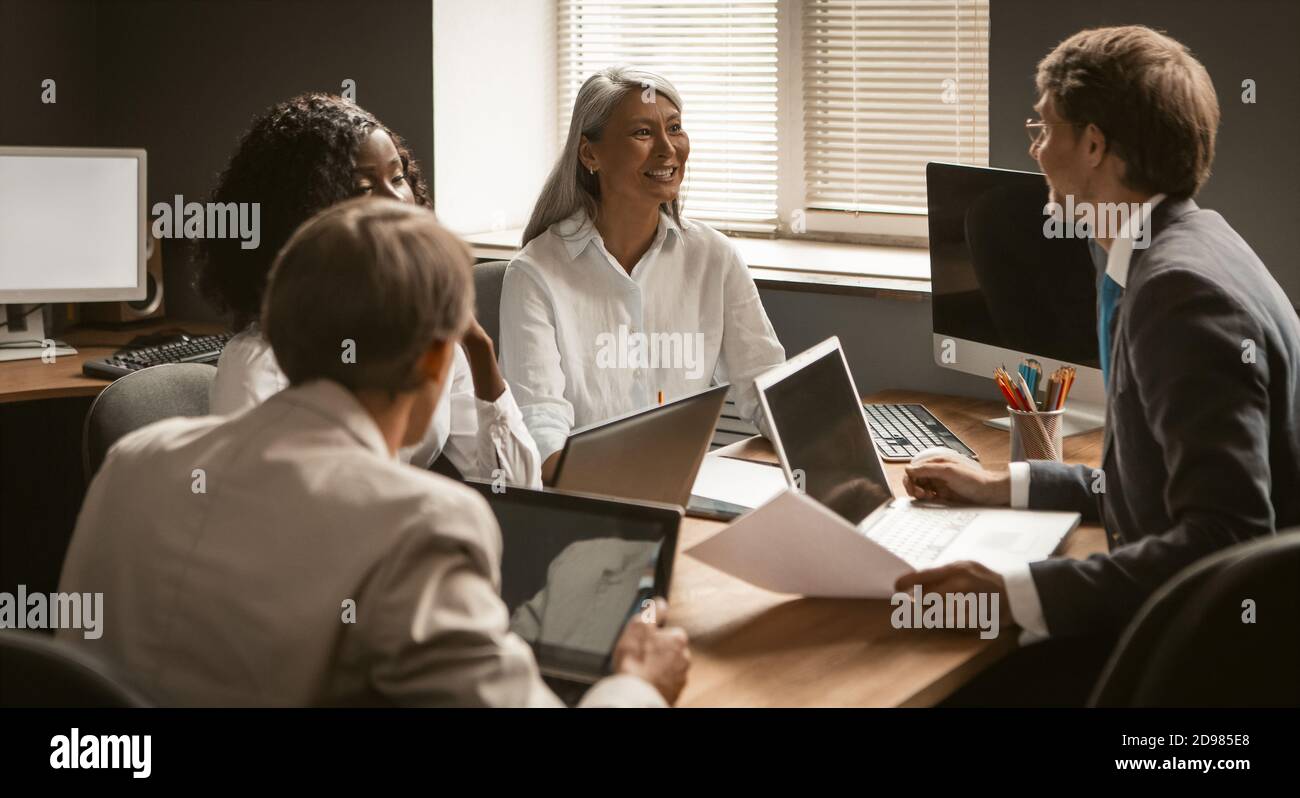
(583, 341)
(477, 436)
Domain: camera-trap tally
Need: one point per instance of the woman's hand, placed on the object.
(483, 368)
(548, 468)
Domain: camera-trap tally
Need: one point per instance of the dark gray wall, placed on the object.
(887, 341)
(1256, 179)
(54, 40)
(183, 79)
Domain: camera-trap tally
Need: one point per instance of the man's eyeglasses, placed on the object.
(1037, 129)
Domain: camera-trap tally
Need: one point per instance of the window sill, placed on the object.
(794, 265)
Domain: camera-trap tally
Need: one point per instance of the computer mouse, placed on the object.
(937, 451)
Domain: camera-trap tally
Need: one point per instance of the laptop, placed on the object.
(574, 570)
(826, 449)
(650, 454)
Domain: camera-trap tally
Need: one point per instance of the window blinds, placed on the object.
(722, 57)
(888, 86)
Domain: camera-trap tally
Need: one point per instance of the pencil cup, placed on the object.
(1035, 436)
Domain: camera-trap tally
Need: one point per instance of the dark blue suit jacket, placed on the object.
(1202, 439)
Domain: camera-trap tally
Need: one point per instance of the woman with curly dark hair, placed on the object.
(298, 158)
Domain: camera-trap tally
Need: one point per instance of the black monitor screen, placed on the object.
(997, 278)
(573, 569)
(819, 420)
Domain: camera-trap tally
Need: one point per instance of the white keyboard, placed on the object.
(917, 536)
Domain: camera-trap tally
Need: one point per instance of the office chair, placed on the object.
(1189, 646)
(38, 671)
(488, 278)
(141, 398)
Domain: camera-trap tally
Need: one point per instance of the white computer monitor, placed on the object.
(73, 226)
(1002, 290)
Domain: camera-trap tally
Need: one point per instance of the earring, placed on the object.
(593, 171)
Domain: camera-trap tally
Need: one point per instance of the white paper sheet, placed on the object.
(747, 484)
(792, 544)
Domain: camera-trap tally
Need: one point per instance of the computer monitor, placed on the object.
(1003, 291)
(73, 223)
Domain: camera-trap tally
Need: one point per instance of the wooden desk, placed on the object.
(753, 648)
(24, 380)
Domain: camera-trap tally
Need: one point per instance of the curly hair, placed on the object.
(295, 160)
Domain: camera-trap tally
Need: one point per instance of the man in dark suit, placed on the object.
(1200, 350)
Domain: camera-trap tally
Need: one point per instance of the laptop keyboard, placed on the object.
(918, 537)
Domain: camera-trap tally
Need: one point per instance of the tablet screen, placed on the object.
(575, 570)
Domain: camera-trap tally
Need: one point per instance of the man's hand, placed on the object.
(957, 577)
(950, 480)
(659, 655)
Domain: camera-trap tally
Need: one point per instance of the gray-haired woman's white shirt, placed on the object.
(582, 340)
(478, 437)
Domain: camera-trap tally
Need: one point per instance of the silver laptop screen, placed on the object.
(819, 421)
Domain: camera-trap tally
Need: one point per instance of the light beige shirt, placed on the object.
(230, 552)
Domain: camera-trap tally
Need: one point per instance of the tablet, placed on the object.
(574, 570)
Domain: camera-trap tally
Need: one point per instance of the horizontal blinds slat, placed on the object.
(875, 109)
(722, 57)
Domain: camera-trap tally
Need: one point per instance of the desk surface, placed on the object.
(23, 380)
(754, 648)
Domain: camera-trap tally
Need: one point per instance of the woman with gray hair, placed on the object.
(616, 300)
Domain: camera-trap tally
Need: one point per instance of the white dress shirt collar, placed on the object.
(1121, 247)
(338, 403)
(578, 231)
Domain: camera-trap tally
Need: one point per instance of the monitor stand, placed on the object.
(23, 338)
(1078, 418)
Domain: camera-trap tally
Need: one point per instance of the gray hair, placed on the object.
(380, 274)
(570, 187)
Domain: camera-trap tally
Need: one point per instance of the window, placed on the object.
(888, 86)
(804, 115)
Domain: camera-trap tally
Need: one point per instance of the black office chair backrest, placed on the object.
(38, 671)
(140, 398)
(488, 278)
(1195, 642)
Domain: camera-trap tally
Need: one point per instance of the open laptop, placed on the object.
(650, 454)
(574, 570)
(825, 446)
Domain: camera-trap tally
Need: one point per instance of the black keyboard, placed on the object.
(197, 349)
(903, 430)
